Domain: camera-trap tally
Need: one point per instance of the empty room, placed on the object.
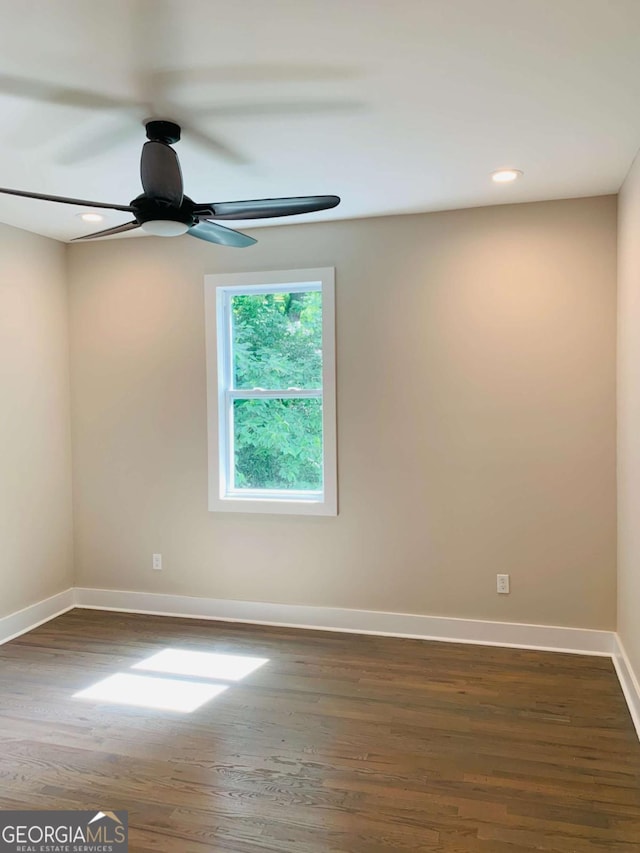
(320, 426)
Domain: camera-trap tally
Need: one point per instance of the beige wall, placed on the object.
(35, 449)
(629, 416)
(476, 401)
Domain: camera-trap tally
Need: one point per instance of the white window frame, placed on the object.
(219, 289)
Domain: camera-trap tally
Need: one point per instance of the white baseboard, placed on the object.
(443, 629)
(30, 617)
(515, 635)
(628, 682)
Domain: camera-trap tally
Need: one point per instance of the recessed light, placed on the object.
(91, 217)
(505, 176)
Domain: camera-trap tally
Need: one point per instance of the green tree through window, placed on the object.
(277, 346)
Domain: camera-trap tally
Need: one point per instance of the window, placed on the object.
(271, 392)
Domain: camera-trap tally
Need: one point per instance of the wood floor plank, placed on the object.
(338, 744)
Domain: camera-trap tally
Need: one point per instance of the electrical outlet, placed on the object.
(157, 563)
(503, 584)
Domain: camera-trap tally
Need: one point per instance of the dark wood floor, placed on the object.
(339, 743)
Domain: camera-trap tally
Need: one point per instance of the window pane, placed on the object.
(277, 340)
(278, 444)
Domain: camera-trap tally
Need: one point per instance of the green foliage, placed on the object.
(277, 346)
(278, 340)
(278, 444)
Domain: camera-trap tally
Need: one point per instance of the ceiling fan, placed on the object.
(163, 209)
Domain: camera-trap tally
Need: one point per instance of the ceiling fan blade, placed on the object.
(52, 93)
(63, 200)
(277, 109)
(246, 72)
(212, 143)
(265, 208)
(98, 143)
(119, 229)
(160, 172)
(214, 233)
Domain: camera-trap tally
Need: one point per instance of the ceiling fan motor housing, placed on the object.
(146, 209)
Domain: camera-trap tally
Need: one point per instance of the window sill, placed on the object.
(273, 506)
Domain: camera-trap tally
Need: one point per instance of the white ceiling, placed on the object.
(396, 106)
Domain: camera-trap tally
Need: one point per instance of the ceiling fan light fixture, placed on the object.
(505, 176)
(164, 227)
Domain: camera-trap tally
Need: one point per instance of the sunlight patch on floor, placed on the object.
(150, 692)
(201, 664)
(173, 694)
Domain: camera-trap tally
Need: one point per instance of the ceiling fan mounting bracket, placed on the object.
(160, 130)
